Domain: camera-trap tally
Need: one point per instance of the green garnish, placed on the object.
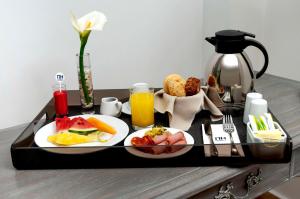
(156, 131)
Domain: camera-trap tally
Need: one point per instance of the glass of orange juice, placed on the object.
(142, 106)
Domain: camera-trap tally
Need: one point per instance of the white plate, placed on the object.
(121, 127)
(141, 133)
(126, 108)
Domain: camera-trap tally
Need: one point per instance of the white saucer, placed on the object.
(126, 108)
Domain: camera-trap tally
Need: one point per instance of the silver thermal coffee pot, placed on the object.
(230, 66)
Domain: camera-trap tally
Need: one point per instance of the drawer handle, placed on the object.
(251, 181)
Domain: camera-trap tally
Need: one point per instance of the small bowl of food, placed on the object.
(265, 137)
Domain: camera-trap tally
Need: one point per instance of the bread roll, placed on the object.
(192, 86)
(174, 85)
(176, 88)
(170, 77)
(212, 81)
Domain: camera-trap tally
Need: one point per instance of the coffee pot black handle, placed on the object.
(251, 42)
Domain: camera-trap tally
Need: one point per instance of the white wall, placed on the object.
(143, 41)
(281, 35)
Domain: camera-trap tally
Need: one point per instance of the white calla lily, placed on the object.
(92, 21)
(84, 25)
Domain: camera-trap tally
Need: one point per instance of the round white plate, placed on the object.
(141, 133)
(121, 127)
(126, 108)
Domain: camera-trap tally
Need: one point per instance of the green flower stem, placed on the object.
(81, 68)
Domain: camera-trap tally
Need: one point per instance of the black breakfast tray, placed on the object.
(27, 155)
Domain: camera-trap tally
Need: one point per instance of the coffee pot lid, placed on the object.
(232, 35)
(229, 41)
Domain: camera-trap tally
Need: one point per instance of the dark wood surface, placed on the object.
(284, 100)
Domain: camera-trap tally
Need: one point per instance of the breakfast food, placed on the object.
(62, 124)
(102, 126)
(67, 138)
(177, 88)
(81, 126)
(175, 85)
(156, 131)
(173, 77)
(158, 143)
(212, 82)
(79, 130)
(192, 86)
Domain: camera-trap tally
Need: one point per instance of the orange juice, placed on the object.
(142, 108)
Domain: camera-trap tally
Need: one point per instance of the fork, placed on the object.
(228, 127)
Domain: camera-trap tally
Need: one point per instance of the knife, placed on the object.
(208, 132)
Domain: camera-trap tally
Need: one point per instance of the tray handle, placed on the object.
(37, 124)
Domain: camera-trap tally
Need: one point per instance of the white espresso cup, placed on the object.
(249, 98)
(110, 106)
(258, 107)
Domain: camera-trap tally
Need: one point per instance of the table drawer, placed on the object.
(260, 179)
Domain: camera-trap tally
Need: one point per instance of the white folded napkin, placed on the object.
(182, 110)
(222, 141)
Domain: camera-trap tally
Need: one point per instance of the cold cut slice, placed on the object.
(173, 138)
(160, 148)
(160, 138)
(177, 146)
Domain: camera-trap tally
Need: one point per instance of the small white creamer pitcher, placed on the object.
(110, 106)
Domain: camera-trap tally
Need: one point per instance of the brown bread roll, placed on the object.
(212, 81)
(192, 86)
(174, 85)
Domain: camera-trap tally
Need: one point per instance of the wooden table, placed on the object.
(197, 182)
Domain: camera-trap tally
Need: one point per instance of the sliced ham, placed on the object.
(160, 148)
(173, 138)
(177, 146)
(160, 138)
(165, 143)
